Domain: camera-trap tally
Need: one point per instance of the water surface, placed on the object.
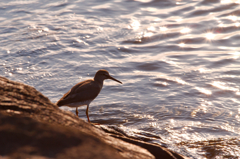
(178, 60)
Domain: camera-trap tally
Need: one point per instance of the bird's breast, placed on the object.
(78, 104)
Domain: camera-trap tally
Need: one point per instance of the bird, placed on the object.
(83, 93)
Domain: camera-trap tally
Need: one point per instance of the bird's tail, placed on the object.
(59, 103)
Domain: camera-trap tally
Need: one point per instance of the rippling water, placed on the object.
(178, 60)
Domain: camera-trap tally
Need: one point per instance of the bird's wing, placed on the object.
(86, 90)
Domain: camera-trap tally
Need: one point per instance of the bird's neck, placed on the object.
(100, 81)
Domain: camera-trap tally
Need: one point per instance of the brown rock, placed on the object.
(33, 127)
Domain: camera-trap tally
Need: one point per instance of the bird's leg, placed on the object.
(76, 111)
(88, 117)
(87, 114)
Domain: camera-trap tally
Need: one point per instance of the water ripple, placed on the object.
(178, 61)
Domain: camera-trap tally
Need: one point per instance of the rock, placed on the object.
(33, 127)
(24, 137)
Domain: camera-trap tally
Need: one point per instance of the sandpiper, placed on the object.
(85, 92)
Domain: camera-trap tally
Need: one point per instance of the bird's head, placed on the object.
(104, 74)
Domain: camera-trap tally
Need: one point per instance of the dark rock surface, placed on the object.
(33, 127)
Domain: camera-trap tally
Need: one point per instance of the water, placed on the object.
(178, 60)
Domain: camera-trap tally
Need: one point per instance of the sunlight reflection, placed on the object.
(163, 29)
(171, 62)
(151, 9)
(102, 6)
(209, 36)
(237, 24)
(45, 29)
(219, 85)
(181, 44)
(78, 40)
(81, 41)
(178, 3)
(157, 19)
(19, 69)
(178, 20)
(204, 108)
(153, 124)
(204, 91)
(202, 70)
(99, 29)
(143, 116)
(10, 74)
(221, 25)
(236, 55)
(228, 127)
(194, 112)
(233, 17)
(235, 100)
(134, 25)
(230, 1)
(165, 83)
(180, 81)
(227, 48)
(185, 30)
(237, 117)
(144, 1)
(147, 34)
(222, 86)
(151, 28)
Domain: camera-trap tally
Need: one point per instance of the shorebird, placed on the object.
(85, 92)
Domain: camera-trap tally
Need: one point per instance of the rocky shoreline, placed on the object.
(33, 127)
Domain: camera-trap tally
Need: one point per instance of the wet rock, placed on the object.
(33, 127)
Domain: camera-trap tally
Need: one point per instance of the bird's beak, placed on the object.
(110, 77)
